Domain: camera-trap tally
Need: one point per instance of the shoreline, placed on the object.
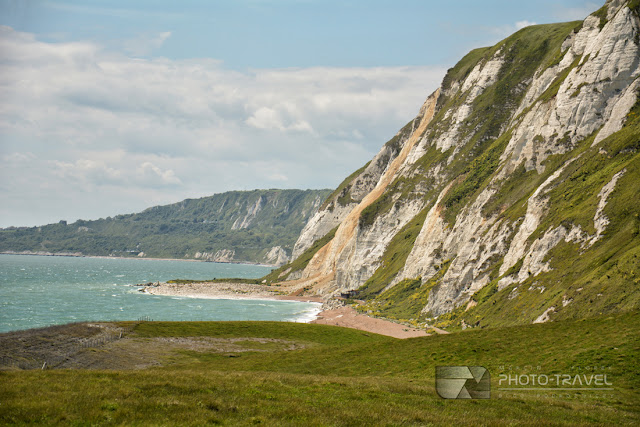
(344, 316)
(223, 290)
(80, 255)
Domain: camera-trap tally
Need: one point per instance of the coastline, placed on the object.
(81, 255)
(223, 290)
(325, 310)
(344, 316)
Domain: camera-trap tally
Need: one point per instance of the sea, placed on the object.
(38, 291)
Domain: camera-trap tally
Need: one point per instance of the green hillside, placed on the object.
(247, 223)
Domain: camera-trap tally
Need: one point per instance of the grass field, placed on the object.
(303, 374)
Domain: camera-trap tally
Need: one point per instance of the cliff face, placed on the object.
(352, 190)
(513, 193)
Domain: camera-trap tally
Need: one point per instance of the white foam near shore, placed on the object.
(310, 314)
(210, 295)
(227, 297)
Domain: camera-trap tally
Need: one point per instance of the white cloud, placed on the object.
(152, 173)
(278, 177)
(18, 158)
(145, 44)
(504, 31)
(90, 174)
(278, 118)
(522, 24)
(86, 171)
(148, 131)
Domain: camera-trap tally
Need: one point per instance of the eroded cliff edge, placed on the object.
(512, 197)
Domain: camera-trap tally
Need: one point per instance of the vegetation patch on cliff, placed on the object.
(405, 300)
(342, 194)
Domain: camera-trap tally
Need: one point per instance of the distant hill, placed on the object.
(239, 226)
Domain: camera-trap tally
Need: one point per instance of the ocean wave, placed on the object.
(309, 314)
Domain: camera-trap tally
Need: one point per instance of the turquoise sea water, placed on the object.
(38, 291)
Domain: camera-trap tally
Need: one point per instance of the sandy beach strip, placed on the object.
(344, 316)
(222, 290)
(215, 290)
(347, 317)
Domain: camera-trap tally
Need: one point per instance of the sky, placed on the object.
(110, 107)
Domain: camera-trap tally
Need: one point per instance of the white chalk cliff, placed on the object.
(482, 174)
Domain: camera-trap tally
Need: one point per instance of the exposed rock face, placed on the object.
(223, 255)
(483, 75)
(352, 191)
(319, 225)
(351, 257)
(536, 209)
(492, 171)
(276, 256)
(604, 80)
(252, 211)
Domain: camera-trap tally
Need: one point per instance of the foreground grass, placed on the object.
(341, 376)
